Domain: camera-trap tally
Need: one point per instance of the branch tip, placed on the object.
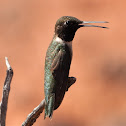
(6, 91)
(7, 63)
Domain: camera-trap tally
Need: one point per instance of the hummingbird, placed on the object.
(58, 61)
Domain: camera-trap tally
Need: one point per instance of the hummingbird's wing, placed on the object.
(60, 70)
(57, 62)
(56, 81)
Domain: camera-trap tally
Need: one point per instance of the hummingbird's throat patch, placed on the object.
(59, 39)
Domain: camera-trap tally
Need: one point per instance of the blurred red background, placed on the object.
(98, 98)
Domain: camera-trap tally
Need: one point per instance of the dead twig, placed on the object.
(6, 90)
(31, 119)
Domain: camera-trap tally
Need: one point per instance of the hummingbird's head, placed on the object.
(66, 27)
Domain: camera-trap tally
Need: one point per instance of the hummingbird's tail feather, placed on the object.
(49, 107)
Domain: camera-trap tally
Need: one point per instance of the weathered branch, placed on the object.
(31, 119)
(6, 90)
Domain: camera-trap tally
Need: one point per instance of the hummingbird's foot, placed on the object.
(71, 81)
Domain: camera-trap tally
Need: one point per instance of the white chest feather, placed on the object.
(69, 44)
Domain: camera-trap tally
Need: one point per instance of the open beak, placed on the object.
(85, 24)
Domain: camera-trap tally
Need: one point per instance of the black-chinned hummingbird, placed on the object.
(58, 60)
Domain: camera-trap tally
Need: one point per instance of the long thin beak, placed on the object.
(88, 22)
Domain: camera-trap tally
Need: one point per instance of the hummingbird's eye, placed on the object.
(66, 22)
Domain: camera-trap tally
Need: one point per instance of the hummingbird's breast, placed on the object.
(69, 44)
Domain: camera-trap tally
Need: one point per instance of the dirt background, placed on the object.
(99, 62)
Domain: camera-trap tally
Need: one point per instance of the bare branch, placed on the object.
(31, 119)
(6, 90)
(7, 64)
